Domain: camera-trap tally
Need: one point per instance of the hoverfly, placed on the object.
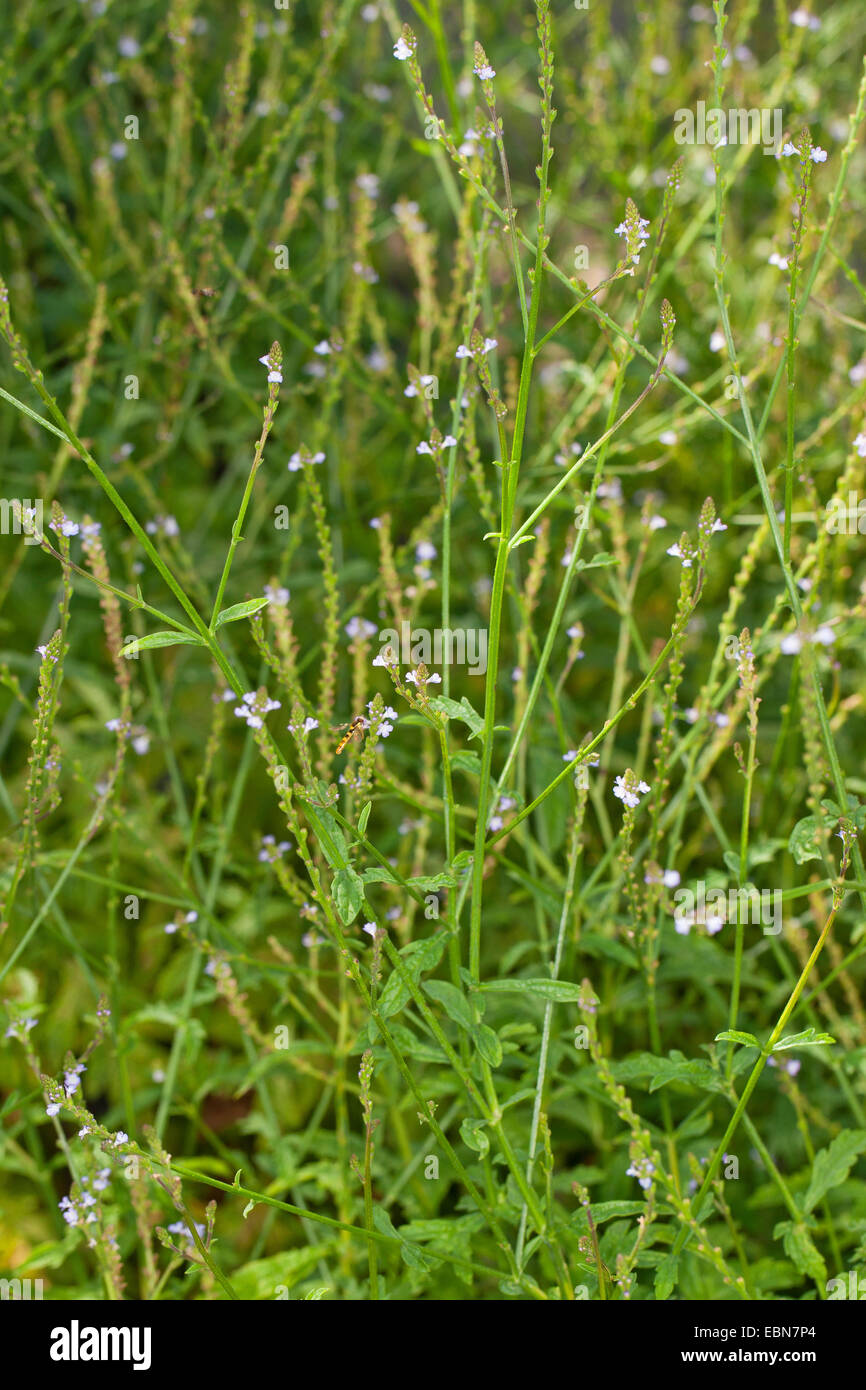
(356, 729)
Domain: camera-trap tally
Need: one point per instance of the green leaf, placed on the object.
(666, 1277)
(364, 817)
(262, 1279)
(833, 1164)
(801, 842)
(603, 557)
(453, 1001)
(801, 1249)
(473, 1136)
(808, 1038)
(463, 711)
(161, 639)
(240, 610)
(347, 890)
(487, 1043)
(418, 957)
(735, 1036)
(560, 991)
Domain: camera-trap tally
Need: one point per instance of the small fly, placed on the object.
(355, 730)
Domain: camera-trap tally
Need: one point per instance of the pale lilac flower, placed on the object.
(359, 627)
(369, 928)
(802, 19)
(781, 262)
(270, 851)
(717, 340)
(402, 50)
(817, 155)
(860, 444)
(254, 708)
(485, 72)
(296, 462)
(277, 597)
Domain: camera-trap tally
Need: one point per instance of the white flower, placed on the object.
(817, 155)
(668, 437)
(787, 150)
(310, 724)
(128, 47)
(274, 373)
(717, 341)
(412, 676)
(423, 448)
(141, 744)
(425, 550)
(323, 349)
(791, 644)
(369, 928)
(680, 555)
(860, 444)
(656, 523)
(369, 184)
(824, 636)
(802, 19)
(630, 796)
(781, 262)
(402, 50)
(485, 72)
(660, 65)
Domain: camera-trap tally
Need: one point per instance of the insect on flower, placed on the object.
(356, 729)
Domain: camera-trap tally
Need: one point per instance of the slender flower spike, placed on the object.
(634, 229)
(273, 362)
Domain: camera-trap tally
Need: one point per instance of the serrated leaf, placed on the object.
(459, 710)
(261, 1279)
(808, 1038)
(240, 610)
(801, 1249)
(735, 1036)
(833, 1164)
(560, 991)
(161, 639)
(666, 1277)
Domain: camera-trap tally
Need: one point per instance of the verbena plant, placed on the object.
(541, 978)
